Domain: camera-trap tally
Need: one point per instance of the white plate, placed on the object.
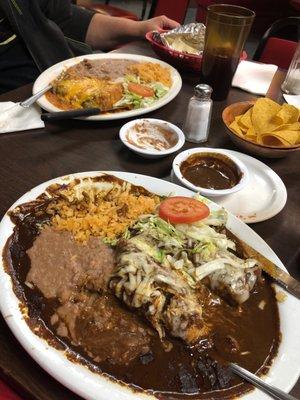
(264, 196)
(51, 73)
(283, 373)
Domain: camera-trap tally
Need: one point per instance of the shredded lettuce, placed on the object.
(132, 78)
(160, 230)
(206, 251)
(194, 250)
(159, 89)
(206, 234)
(110, 242)
(136, 101)
(215, 218)
(203, 199)
(130, 99)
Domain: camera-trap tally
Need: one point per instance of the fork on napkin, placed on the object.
(22, 116)
(254, 77)
(14, 117)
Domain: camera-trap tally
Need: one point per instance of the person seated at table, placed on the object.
(37, 34)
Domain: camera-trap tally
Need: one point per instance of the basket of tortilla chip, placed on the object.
(263, 127)
(181, 47)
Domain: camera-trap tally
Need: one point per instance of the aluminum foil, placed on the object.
(186, 38)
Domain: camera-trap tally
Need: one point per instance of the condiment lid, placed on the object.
(203, 91)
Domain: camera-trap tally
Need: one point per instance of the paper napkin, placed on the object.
(254, 77)
(15, 118)
(293, 99)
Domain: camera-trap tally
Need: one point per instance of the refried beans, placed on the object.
(107, 68)
(59, 265)
(77, 275)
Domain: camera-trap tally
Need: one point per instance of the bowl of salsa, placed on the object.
(212, 172)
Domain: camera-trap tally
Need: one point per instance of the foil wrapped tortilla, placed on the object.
(186, 38)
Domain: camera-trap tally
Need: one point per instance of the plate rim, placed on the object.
(49, 74)
(96, 386)
(276, 179)
(280, 199)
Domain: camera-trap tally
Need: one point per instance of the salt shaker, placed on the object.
(196, 126)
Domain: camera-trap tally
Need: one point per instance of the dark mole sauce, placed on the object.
(210, 171)
(197, 372)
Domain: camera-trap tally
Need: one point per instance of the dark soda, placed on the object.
(217, 71)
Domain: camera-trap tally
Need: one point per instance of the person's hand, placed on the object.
(157, 23)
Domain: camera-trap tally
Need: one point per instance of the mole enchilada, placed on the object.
(160, 306)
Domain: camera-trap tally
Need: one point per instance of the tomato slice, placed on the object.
(140, 90)
(182, 210)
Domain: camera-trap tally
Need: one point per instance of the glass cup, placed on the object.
(227, 28)
(291, 84)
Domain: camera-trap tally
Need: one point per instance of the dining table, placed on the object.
(30, 157)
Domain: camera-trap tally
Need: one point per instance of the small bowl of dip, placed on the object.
(151, 137)
(212, 172)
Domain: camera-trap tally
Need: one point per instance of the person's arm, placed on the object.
(72, 20)
(105, 32)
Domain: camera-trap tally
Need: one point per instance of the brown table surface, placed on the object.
(31, 157)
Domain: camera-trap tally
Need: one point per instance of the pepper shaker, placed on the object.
(197, 123)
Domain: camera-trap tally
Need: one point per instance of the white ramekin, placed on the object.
(153, 153)
(210, 192)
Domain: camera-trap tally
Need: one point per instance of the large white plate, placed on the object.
(51, 73)
(283, 373)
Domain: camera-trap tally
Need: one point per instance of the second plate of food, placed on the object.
(126, 84)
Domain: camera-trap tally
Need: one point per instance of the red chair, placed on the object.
(6, 393)
(106, 9)
(174, 9)
(295, 4)
(277, 50)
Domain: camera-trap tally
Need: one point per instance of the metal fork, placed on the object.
(31, 100)
(266, 387)
(28, 102)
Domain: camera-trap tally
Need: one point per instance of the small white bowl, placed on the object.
(210, 192)
(151, 153)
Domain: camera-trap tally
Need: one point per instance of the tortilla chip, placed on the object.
(269, 123)
(288, 114)
(237, 129)
(271, 140)
(289, 127)
(264, 110)
(251, 134)
(245, 119)
(287, 138)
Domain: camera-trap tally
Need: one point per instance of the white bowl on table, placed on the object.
(240, 166)
(152, 153)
